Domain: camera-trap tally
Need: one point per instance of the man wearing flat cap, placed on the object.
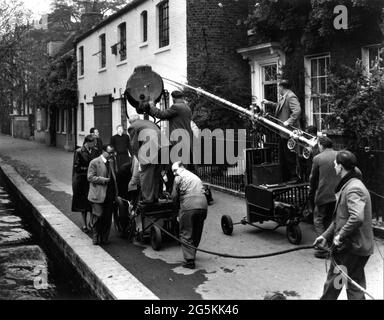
(179, 116)
(288, 111)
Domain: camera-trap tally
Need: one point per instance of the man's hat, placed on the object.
(177, 94)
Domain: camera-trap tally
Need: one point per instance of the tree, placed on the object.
(13, 30)
(357, 104)
(75, 8)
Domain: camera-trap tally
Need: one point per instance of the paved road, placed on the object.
(297, 275)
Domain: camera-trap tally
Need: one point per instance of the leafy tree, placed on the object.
(75, 8)
(357, 103)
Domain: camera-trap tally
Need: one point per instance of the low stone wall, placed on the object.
(104, 275)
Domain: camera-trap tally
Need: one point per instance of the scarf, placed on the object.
(351, 174)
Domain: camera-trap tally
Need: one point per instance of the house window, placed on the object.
(81, 61)
(123, 41)
(102, 51)
(144, 26)
(163, 11)
(317, 80)
(373, 57)
(82, 117)
(270, 82)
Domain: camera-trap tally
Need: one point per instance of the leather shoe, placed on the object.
(189, 264)
(95, 239)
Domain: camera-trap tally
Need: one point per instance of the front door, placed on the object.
(103, 116)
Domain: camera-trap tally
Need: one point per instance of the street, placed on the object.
(297, 275)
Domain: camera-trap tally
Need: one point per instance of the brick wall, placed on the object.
(213, 36)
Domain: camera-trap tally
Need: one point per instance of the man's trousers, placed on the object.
(353, 266)
(150, 176)
(322, 217)
(191, 228)
(102, 220)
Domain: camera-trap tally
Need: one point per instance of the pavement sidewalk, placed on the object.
(298, 275)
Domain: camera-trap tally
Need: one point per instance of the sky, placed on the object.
(38, 7)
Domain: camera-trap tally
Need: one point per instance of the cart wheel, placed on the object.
(294, 233)
(227, 225)
(155, 238)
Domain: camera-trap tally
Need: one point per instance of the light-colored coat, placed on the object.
(288, 109)
(353, 219)
(98, 180)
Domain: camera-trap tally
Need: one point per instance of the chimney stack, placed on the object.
(91, 15)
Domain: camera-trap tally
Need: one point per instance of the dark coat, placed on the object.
(323, 179)
(99, 146)
(353, 219)
(154, 142)
(122, 146)
(179, 116)
(80, 185)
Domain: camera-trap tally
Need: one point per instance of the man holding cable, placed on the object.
(350, 232)
(188, 191)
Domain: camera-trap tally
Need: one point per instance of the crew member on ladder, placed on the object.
(288, 111)
(179, 116)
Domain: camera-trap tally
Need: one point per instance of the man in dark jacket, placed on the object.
(122, 146)
(351, 230)
(179, 116)
(146, 144)
(99, 143)
(323, 181)
(288, 111)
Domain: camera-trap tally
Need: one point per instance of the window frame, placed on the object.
(122, 34)
(81, 61)
(144, 26)
(309, 95)
(103, 51)
(265, 82)
(82, 117)
(163, 28)
(366, 59)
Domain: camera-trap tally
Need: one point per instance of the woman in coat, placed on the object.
(80, 185)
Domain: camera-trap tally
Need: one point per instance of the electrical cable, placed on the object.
(225, 255)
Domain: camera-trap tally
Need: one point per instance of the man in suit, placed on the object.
(323, 181)
(146, 147)
(351, 230)
(102, 193)
(288, 111)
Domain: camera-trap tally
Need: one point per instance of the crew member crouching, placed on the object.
(188, 191)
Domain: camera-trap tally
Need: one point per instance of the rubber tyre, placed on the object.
(156, 238)
(227, 225)
(294, 233)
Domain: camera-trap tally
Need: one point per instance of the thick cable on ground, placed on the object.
(225, 255)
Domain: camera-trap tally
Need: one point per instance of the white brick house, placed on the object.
(143, 32)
